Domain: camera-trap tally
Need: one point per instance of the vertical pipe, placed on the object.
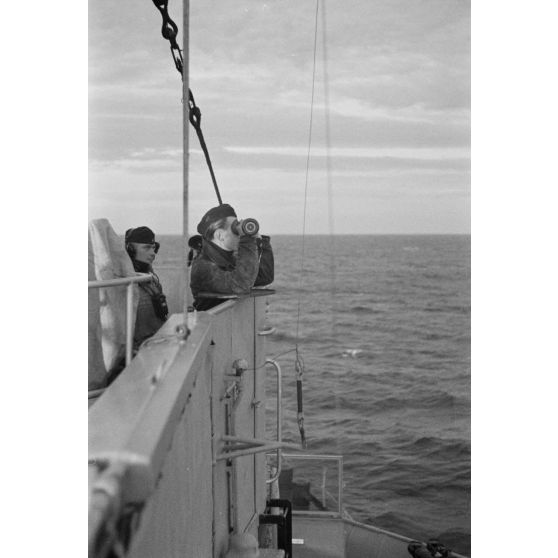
(129, 324)
(340, 483)
(256, 399)
(185, 147)
(324, 499)
(279, 406)
(275, 364)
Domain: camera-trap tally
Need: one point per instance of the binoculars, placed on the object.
(248, 226)
(160, 306)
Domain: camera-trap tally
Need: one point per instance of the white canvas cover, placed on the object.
(107, 305)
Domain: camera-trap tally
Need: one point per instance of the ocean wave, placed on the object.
(359, 309)
(398, 411)
(303, 338)
(438, 449)
(428, 401)
(446, 309)
(450, 451)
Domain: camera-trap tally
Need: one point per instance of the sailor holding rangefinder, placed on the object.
(233, 258)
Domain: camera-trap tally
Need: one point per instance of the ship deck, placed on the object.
(318, 537)
(335, 537)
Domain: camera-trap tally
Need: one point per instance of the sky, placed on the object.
(397, 78)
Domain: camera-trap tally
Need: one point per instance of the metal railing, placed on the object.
(275, 364)
(241, 446)
(129, 282)
(338, 499)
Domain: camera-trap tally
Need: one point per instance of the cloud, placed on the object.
(399, 108)
(423, 153)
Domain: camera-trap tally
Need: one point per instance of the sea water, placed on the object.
(382, 324)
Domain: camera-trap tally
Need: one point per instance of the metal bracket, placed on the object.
(233, 390)
(239, 446)
(240, 366)
(234, 387)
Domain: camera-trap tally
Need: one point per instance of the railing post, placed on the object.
(129, 325)
(279, 418)
(129, 282)
(340, 483)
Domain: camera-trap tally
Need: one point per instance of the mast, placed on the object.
(185, 144)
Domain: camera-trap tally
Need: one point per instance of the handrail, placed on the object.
(141, 278)
(251, 447)
(129, 282)
(325, 457)
(279, 418)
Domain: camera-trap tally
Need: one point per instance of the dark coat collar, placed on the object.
(142, 267)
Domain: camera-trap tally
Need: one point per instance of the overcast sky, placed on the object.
(399, 109)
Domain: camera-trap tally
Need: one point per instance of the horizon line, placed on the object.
(346, 234)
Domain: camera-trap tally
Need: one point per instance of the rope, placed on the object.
(195, 120)
(302, 258)
(299, 363)
(328, 165)
(332, 243)
(169, 32)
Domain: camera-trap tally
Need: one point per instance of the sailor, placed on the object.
(152, 309)
(231, 261)
(152, 306)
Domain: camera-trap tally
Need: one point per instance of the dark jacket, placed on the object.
(151, 314)
(152, 310)
(218, 271)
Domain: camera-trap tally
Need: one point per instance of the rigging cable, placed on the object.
(329, 174)
(302, 258)
(328, 171)
(332, 243)
(299, 363)
(169, 32)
